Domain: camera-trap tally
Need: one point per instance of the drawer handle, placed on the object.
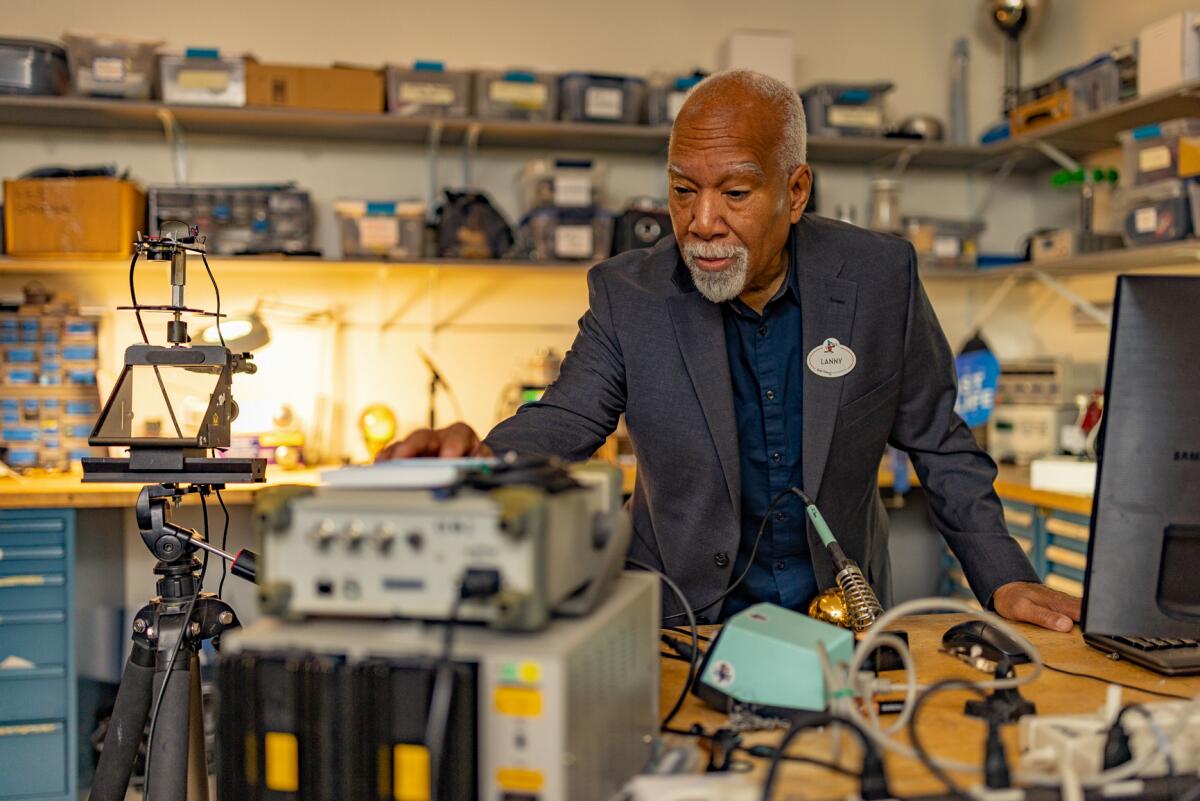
(33, 552)
(31, 580)
(25, 729)
(39, 526)
(14, 618)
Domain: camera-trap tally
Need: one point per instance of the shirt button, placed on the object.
(762, 330)
(721, 558)
(770, 394)
(781, 516)
(776, 457)
(780, 565)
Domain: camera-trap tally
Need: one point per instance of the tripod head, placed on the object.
(172, 543)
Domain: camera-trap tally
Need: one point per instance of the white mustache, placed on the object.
(713, 251)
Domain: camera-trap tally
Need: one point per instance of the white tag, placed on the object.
(602, 103)
(1145, 220)
(831, 359)
(108, 68)
(526, 95)
(378, 233)
(427, 94)
(854, 116)
(1154, 158)
(946, 247)
(573, 190)
(573, 242)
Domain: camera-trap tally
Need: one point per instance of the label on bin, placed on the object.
(947, 247)
(378, 233)
(210, 80)
(573, 242)
(603, 103)
(1145, 220)
(526, 95)
(427, 94)
(573, 191)
(854, 117)
(108, 68)
(1154, 158)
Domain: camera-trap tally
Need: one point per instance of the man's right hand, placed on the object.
(452, 441)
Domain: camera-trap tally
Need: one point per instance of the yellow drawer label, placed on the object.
(22, 581)
(282, 753)
(520, 702)
(410, 772)
(520, 780)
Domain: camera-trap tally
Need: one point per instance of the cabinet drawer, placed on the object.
(33, 693)
(33, 759)
(31, 558)
(37, 637)
(18, 530)
(32, 591)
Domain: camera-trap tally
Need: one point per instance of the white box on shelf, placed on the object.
(1168, 52)
(768, 52)
(1063, 474)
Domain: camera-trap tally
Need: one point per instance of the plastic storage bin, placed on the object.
(516, 95)
(239, 219)
(840, 109)
(1152, 152)
(944, 241)
(203, 78)
(111, 66)
(567, 183)
(428, 88)
(1153, 213)
(587, 97)
(568, 233)
(389, 229)
(666, 95)
(1095, 85)
(32, 67)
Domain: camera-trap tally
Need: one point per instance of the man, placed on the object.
(761, 349)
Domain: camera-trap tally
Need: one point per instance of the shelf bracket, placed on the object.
(435, 140)
(1057, 156)
(470, 146)
(989, 308)
(176, 142)
(904, 158)
(1076, 300)
(1002, 174)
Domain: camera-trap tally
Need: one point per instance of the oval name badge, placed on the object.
(831, 359)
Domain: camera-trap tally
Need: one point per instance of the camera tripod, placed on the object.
(161, 679)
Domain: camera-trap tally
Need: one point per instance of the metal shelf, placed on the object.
(275, 265)
(1171, 254)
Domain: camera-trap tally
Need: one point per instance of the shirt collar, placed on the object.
(790, 285)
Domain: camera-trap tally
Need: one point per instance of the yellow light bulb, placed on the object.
(378, 426)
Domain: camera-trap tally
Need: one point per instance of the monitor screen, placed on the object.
(1144, 551)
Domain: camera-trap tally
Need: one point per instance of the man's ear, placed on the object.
(799, 191)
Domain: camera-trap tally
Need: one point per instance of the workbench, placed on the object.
(943, 727)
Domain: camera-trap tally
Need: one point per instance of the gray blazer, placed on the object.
(652, 347)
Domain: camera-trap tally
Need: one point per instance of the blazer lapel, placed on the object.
(700, 331)
(827, 308)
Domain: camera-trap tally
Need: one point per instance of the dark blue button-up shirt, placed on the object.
(766, 365)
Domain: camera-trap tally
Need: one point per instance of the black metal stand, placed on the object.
(164, 660)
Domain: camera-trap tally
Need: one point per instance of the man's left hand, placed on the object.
(1028, 602)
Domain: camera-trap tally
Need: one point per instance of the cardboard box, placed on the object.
(323, 88)
(1168, 52)
(69, 217)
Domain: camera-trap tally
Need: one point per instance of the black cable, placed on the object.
(919, 747)
(686, 633)
(183, 633)
(216, 292)
(137, 312)
(1066, 672)
(768, 752)
(814, 720)
(438, 721)
(691, 616)
(224, 542)
(766, 518)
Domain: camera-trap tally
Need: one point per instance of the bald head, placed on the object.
(768, 107)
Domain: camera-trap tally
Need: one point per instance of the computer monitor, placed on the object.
(1143, 567)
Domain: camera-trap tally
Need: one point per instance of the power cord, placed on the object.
(693, 662)
(224, 544)
(183, 633)
(922, 753)
(872, 776)
(762, 527)
(1159, 693)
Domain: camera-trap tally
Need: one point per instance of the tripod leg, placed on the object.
(197, 755)
(167, 778)
(125, 727)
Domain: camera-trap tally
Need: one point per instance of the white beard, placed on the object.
(718, 285)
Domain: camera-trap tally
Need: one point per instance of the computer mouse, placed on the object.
(991, 641)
